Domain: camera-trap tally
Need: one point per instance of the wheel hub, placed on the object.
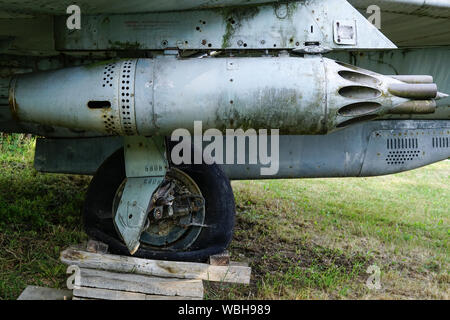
(177, 215)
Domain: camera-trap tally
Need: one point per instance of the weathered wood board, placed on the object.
(105, 294)
(41, 293)
(167, 269)
(139, 283)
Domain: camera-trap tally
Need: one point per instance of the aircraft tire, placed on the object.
(219, 217)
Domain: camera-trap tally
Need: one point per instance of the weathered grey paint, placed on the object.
(26, 26)
(433, 61)
(282, 25)
(27, 35)
(414, 61)
(74, 155)
(359, 150)
(311, 95)
(58, 7)
(145, 169)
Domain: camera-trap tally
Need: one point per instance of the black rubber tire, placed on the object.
(219, 202)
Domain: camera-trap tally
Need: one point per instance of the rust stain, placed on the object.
(73, 255)
(168, 268)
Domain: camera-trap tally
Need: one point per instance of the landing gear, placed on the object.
(193, 216)
(178, 217)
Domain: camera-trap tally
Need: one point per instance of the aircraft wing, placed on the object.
(430, 26)
(412, 23)
(56, 7)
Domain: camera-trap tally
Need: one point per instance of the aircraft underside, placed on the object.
(106, 99)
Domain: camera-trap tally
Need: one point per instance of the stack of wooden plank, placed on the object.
(99, 275)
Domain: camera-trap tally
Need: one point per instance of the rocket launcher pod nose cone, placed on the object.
(440, 95)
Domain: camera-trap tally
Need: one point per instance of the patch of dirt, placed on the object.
(269, 253)
(285, 253)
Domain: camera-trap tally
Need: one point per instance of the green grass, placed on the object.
(333, 229)
(39, 216)
(304, 239)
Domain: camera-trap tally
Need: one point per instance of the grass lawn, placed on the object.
(304, 239)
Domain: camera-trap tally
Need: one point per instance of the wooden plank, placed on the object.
(239, 264)
(79, 298)
(157, 297)
(140, 284)
(105, 294)
(168, 269)
(41, 293)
